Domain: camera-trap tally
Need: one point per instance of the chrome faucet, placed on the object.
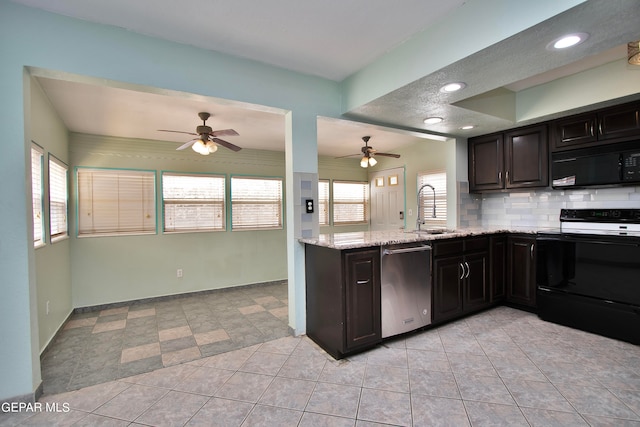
(420, 221)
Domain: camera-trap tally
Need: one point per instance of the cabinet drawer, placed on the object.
(448, 247)
(476, 244)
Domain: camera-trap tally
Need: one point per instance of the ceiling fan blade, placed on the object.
(397, 156)
(226, 144)
(348, 155)
(177, 131)
(224, 132)
(186, 145)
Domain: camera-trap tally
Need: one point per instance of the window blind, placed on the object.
(37, 206)
(438, 179)
(58, 200)
(350, 202)
(193, 202)
(323, 201)
(116, 201)
(256, 203)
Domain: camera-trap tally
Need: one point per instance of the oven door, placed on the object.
(602, 267)
(590, 282)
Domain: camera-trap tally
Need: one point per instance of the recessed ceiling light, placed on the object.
(467, 127)
(567, 41)
(453, 87)
(433, 120)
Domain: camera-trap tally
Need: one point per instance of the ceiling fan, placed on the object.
(368, 154)
(208, 140)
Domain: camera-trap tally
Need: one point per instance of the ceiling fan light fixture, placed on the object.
(633, 52)
(364, 162)
(372, 161)
(200, 147)
(211, 147)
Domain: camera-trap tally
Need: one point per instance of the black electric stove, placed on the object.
(588, 272)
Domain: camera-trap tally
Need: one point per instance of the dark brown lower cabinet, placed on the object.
(498, 271)
(460, 277)
(343, 298)
(521, 271)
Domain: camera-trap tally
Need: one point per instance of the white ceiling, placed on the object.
(331, 39)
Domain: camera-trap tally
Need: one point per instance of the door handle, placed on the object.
(468, 270)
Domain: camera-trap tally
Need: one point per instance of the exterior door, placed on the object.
(387, 199)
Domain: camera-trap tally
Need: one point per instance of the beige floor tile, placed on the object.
(140, 352)
(266, 300)
(109, 326)
(141, 313)
(174, 333)
(211, 337)
(175, 357)
(81, 323)
(251, 309)
(280, 312)
(112, 311)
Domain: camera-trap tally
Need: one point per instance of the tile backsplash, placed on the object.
(536, 208)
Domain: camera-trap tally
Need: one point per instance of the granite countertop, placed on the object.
(362, 239)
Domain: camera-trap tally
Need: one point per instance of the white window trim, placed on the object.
(194, 201)
(324, 202)
(148, 209)
(278, 201)
(38, 214)
(426, 199)
(337, 202)
(58, 236)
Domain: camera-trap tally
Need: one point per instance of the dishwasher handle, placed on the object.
(406, 250)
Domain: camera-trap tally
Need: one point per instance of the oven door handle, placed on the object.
(586, 240)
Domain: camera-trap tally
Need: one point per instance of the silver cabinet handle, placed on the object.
(462, 268)
(591, 129)
(600, 128)
(500, 177)
(362, 282)
(468, 270)
(507, 176)
(532, 245)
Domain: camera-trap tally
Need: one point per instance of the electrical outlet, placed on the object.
(179, 272)
(410, 212)
(47, 307)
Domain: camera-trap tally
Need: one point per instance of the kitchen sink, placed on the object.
(430, 231)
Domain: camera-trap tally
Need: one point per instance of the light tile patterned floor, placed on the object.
(502, 367)
(100, 346)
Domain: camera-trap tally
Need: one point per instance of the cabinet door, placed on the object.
(526, 161)
(476, 283)
(486, 163)
(619, 122)
(498, 272)
(362, 276)
(521, 286)
(447, 288)
(574, 132)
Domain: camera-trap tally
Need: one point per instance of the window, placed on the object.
(193, 202)
(58, 200)
(256, 203)
(37, 205)
(438, 179)
(115, 202)
(350, 202)
(323, 201)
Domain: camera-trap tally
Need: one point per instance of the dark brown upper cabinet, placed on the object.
(606, 126)
(514, 159)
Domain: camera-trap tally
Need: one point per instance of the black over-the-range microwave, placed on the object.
(608, 165)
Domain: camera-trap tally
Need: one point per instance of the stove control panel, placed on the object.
(600, 215)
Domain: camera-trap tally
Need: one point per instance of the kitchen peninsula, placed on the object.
(468, 270)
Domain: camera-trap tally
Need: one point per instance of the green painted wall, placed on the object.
(62, 47)
(122, 268)
(52, 261)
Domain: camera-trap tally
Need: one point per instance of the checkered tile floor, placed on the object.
(100, 346)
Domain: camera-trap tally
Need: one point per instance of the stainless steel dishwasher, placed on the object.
(406, 288)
